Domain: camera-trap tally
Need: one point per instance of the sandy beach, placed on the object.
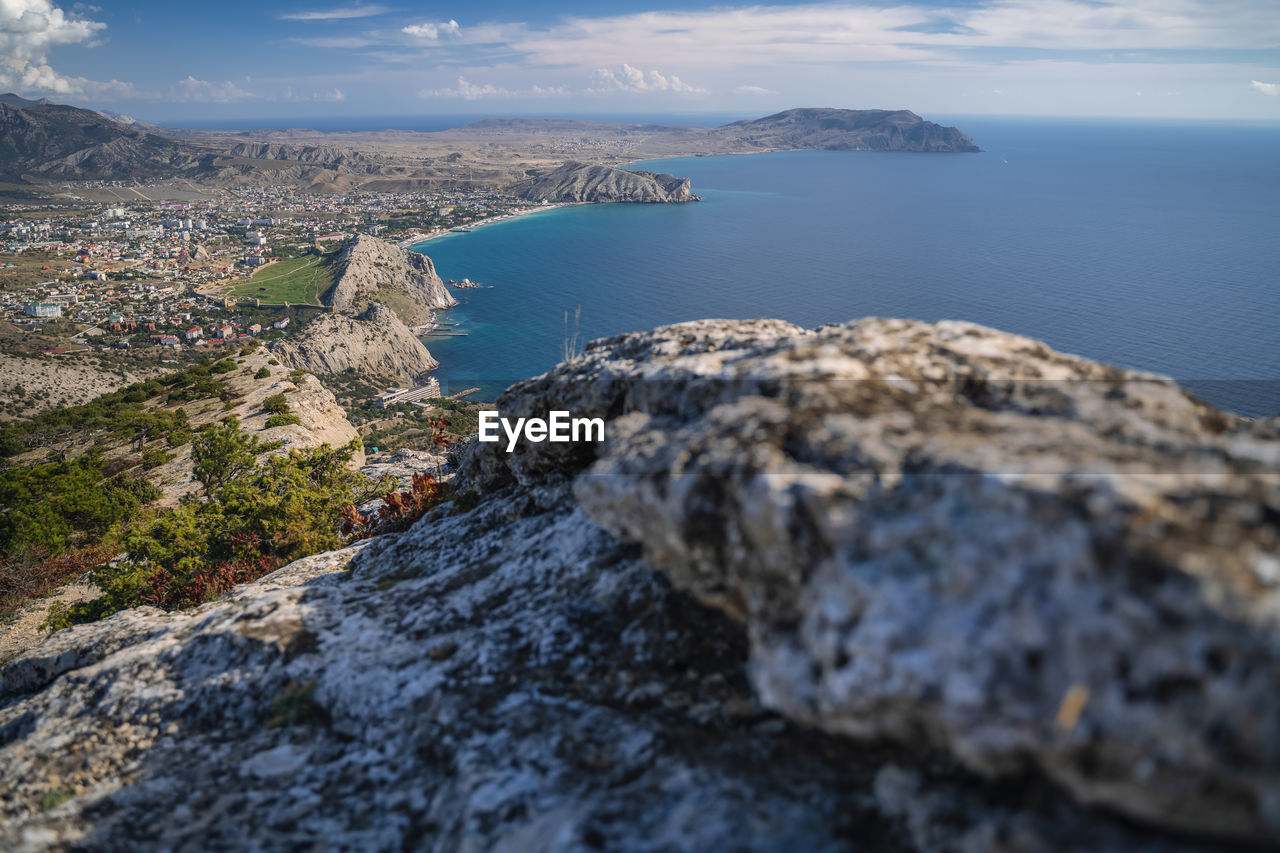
(440, 232)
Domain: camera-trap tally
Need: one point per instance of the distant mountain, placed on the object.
(847, 130)
(18, 101)
(43, 142)
(40, 140)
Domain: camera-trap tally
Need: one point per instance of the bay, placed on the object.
(1152, 245)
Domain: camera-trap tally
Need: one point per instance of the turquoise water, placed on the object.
(1154, 246)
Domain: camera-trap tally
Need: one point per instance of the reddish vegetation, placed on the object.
(399, 510)
(21, 582)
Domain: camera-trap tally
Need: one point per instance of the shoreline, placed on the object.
(419, 238)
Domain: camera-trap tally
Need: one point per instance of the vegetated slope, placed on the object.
(578, 182)
(847, 130)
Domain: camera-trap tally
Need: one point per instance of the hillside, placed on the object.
(52, 141)
(41, 142)
(819, 589)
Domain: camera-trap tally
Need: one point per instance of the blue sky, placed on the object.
(173, 60)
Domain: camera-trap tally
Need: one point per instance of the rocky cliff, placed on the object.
(580, 182)
(376, 343)
(373, 270)
(885, 584)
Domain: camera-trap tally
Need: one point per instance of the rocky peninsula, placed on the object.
(891, 584)
(380, 289)
(580, 182)
(373, 270)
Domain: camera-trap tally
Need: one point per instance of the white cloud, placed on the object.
(630, 79)
(192, 89)
(838, 34)
(339, 14)
(753, 90)
(334, 94)
(432, 32)
(1272, 89)
(472, 92)
(29, 29)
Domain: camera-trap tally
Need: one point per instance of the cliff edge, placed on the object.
(929, 585)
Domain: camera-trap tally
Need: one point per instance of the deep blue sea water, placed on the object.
(1151, 245)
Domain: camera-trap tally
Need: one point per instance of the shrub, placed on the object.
(276, 403)
(263, 373)
(257, 517)
(154, 458)
(282, 419)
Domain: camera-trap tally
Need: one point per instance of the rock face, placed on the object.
(374, 344)
(579, 182)
(373, 270)
(951, 574)
(847, 130)
(953, 534)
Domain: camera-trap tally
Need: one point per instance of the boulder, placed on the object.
(882, 585)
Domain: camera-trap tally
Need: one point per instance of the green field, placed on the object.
(296, 280)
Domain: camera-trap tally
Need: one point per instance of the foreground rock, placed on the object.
(904, 563)
(373, 270)
(578, 182)
(376, 343)
(952, 534)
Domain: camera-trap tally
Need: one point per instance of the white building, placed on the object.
(44, 310)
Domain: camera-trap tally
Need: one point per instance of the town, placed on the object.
(161, 278)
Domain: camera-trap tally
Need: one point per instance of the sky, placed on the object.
(167, 61)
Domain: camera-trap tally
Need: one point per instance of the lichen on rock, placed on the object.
(884, 585)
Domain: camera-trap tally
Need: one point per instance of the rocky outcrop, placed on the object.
(376, 343)
(577, 182)
(373, 270)
(950, 534)
(846, 130)
(884, 584)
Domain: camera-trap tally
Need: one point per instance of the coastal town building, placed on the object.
(43, 310)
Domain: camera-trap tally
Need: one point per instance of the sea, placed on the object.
(1148, 244)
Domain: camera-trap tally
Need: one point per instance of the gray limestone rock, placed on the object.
(965, 594)
(373, 270)
(949, 534)
(376, 343)
(576, 182)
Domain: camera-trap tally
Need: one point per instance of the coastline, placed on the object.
(417, 239)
